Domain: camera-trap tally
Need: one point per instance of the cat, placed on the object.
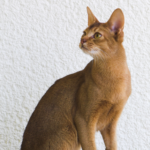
(78, 105)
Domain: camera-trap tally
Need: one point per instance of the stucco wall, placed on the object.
(39, 43)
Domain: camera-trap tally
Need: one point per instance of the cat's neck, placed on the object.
(109, 67)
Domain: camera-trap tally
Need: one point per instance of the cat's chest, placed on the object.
(111, 91)
(106, 113)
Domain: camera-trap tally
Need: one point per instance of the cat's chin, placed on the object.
(85, 50)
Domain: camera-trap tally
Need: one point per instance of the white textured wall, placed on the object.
(39, 43)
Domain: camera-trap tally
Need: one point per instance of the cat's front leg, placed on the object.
(109, 137)
(109, 132)
(86, 133)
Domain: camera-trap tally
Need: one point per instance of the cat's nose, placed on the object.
(83, 41)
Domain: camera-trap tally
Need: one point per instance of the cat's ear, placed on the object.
(116, 21)
(91, 18)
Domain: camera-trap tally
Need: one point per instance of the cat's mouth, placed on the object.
(82, 47)
(86, 50)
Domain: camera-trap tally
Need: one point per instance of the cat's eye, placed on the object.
(84, 33)
(97, 35)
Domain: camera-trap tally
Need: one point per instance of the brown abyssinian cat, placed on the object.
(91, 100)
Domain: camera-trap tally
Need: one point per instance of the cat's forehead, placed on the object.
(96, 27)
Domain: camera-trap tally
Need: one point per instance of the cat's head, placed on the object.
(103, 39)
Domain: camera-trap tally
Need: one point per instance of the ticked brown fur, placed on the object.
(78, 105)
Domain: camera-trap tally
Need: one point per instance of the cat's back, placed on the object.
(60, 95)
(54, 112)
